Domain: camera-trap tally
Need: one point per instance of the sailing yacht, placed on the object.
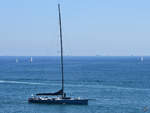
(62, 98)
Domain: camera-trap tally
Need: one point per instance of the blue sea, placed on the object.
(116, 84)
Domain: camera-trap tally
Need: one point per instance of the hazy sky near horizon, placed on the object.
(90, 27)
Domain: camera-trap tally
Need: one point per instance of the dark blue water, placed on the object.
(118, 84)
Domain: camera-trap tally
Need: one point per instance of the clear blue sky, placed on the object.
(90, 27)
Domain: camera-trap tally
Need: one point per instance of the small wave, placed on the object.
(123, 88)
(109, 87)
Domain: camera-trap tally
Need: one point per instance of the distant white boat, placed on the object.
(31, 60)
(142, 59)
(16, 60)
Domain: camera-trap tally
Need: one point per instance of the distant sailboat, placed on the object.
(142, 59)
(16, 60)
(31, 60)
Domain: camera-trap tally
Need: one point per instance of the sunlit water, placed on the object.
(117, 84)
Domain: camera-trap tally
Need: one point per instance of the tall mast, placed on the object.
(61, 43)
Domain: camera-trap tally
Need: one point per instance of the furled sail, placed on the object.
(60, 92)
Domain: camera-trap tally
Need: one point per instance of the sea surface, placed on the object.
(116, 84)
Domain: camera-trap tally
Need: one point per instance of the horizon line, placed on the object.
(75, 56)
